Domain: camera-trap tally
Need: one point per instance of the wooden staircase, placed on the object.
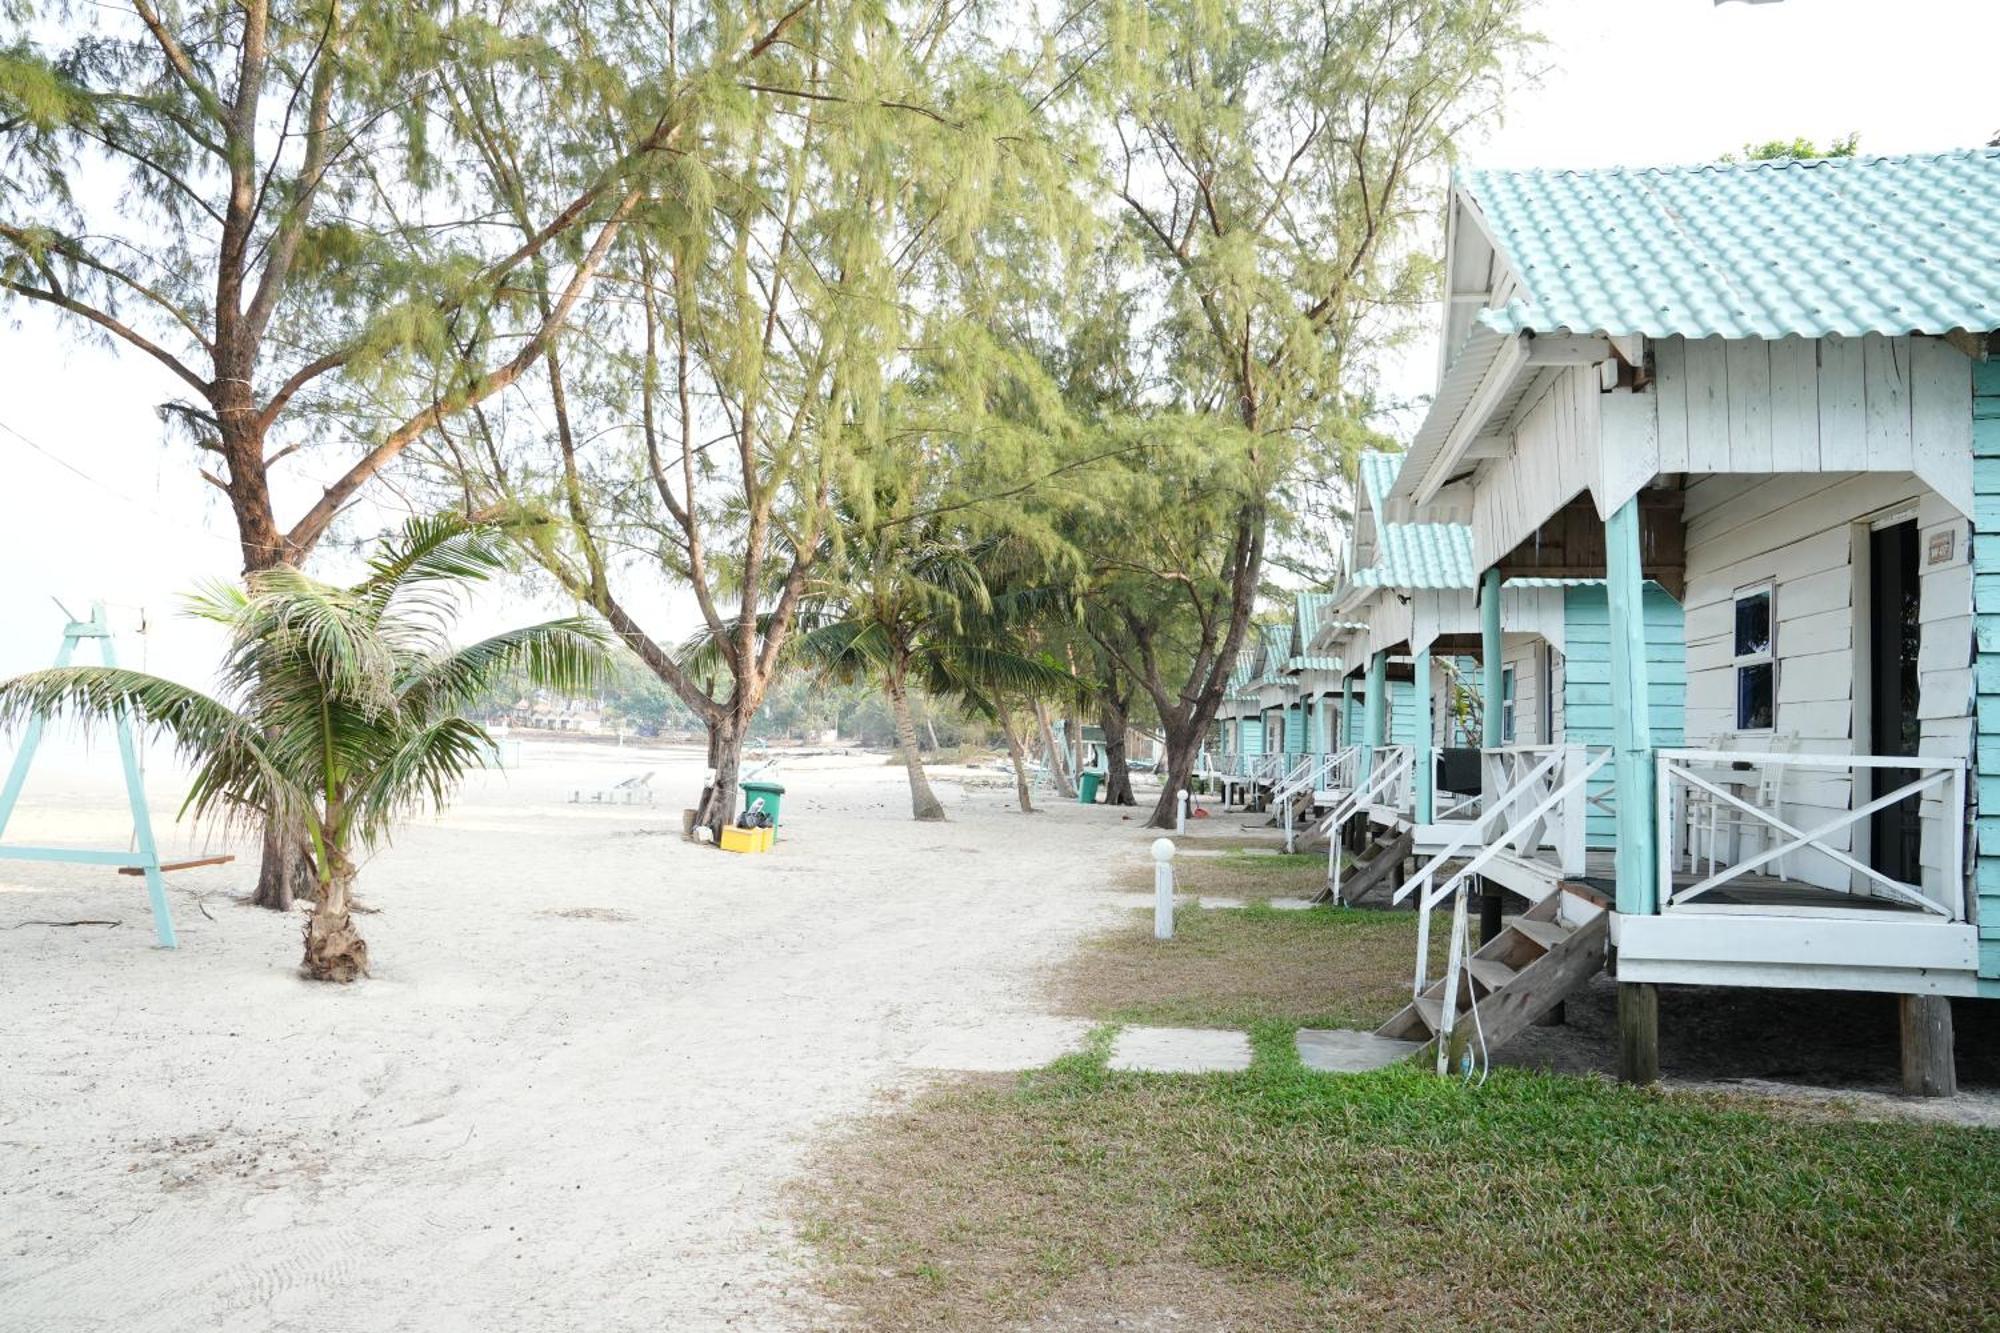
(1518, 976)
(1374, 870)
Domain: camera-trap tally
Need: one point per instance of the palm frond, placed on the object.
(417, 775)
(846, 650)
(570, 655)
(234, 773)
(440, 548)
(298, 636)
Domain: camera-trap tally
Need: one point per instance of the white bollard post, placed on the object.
(1163, 888)
(1180, 818)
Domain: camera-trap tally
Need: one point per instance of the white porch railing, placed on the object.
(1319, 772)
(1547, 797)
(1390, 775)
(1700, 792)
(1515, 778)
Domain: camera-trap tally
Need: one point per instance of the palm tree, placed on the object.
(915, 612)
(340, 708)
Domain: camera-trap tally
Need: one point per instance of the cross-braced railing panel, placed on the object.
(1558, 779)
(1743, 792)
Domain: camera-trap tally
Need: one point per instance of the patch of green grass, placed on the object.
(1237, 873)
(1281, 1198)
(1317, 967)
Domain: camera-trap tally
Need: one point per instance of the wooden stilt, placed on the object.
(1929, 1069)
(1489, 913)
(1638, 1032)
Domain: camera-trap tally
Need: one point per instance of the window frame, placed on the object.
(1741, 662)
(1509, 681)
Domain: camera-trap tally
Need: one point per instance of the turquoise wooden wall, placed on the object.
(1402, 724)
(1295, 729)
(1986, 609)
(1587, 707)
(1250, 734)
(1402, 712)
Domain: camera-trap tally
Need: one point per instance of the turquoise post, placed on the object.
(1490, 649)
(142, 822)
(147, 857)
(1426, 757)
(1632, 729)
(31, 736)
(1373, 707)
(1346, 711)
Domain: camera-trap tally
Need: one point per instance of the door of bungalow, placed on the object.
(1895, 832)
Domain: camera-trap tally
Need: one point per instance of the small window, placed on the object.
(1756, 667)
(1507, 705)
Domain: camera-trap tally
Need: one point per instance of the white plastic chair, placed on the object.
(1709, 819)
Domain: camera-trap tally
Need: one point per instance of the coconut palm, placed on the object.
(340, 707)
(914, 611)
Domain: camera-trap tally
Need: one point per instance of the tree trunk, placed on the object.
(1181, 746)
(1019, 759)
(1058, 769)
(725, 748)
(923, 802)
(335, 951)
(284, 874)
(1117, 769)
(1075, 750)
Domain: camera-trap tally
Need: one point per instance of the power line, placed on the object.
(106, 487)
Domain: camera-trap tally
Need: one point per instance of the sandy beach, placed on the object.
(589, 1058)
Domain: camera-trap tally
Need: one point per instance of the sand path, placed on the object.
(589, 1059)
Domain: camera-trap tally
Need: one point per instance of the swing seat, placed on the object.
(168, 866)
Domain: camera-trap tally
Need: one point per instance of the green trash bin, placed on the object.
(1086, 790)
(771, 793)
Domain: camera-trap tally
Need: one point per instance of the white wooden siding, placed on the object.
(1872, 404)
(1525, 656)
(1554, 459)
(1799, 533)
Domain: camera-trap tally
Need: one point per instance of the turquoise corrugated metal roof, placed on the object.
(1307, 662)
(1245, 670)
(1849, 246)
(1311, 610)
(1412, 555)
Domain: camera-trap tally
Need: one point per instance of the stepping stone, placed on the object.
(1347, 1051)
(1003, 1045)
(1181, 1050)
(1212, 903)
(1291, 904)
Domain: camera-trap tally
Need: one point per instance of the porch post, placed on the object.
(1632, 760)
(1426, 762)
(1632, 727)
(1489, 658)
(1341, 739)
(1373, 708)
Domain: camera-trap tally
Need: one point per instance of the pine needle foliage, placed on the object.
(835, 217)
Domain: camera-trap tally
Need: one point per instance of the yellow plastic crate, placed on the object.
(736, 839)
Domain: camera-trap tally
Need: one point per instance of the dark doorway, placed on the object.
(1895, 833)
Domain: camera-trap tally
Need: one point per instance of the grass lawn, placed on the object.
(1281, 1199)
(1074, 1197)
(1325, 967)
(1235, 873)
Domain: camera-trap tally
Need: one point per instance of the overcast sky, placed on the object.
(1626, 81)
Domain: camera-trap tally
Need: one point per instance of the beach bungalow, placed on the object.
(1765, 388)
(1489, 661)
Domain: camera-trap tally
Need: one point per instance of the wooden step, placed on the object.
(1431, 1010)
(1545, 933)
(1490, 972)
